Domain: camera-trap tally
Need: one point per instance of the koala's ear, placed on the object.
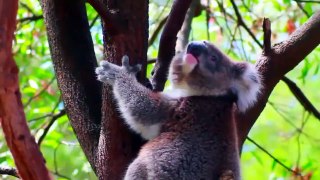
(247, 84)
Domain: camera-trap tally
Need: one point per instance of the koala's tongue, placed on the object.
(190, 59)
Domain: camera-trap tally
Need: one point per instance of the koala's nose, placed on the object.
(196, 48)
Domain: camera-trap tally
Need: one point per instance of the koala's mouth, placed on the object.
(190, 59)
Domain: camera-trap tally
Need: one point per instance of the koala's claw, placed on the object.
(105, 64)
(131, 69)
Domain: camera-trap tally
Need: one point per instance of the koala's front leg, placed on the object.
(142, 109)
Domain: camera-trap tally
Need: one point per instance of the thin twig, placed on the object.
(303, 10)
(93, 21)
(308, 1)
(41, 117)
(157, 30)
(243, 24)
(283, 114)
(274, 158)
(46, 129)
(26, 7)
(39, 93)
(32, 18)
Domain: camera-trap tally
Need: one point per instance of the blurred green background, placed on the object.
(284, 129)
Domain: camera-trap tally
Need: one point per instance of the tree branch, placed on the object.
(167, 43)
(9, 171)
(113, 21)
(117, 144)
(74, 62)
(47, 128)
(32, 18)
(267, 35)
(157, 30)
(272, 66)
(301, 97)
(274, 158)
(266, 50)
(243, 24)
(21, 143)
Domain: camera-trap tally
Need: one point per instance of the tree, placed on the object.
(107, 143)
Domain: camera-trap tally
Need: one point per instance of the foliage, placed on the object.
(284, 129)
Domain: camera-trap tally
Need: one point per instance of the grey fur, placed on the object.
(192, 134)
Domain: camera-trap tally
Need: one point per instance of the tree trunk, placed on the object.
(106, 141)
(74, 62)
(121, 145)
(21, 143)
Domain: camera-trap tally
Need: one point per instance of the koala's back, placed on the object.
(197, 142)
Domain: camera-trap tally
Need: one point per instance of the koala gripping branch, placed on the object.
(21, 143)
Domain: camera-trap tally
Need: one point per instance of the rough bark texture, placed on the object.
(19, 139)
(74, 63)
(106, 141)
(118, 145)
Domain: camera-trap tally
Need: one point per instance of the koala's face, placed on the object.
(203, 69)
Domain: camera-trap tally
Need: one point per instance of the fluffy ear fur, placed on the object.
(247, 85)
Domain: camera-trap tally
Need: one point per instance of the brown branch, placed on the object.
(113, 21)
(32, 18)
(243, 24)
(267, 35)
(156, 31)
(26, 7)
(47, 128)
(267, 50)
(39, 93)
(301, 97)
(9, 171)
(93, 21)
(168, 42)
(272, 66)
(21, 143)
(74, 62)
(303, 10)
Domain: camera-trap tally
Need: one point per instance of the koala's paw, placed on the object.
(108, 72)
(227, 175)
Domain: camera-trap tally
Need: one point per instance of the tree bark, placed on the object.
(74, 62)
(117, 144)
(21, 143)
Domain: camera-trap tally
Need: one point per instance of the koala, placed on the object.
(190, 128)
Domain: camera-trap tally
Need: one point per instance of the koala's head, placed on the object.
(202, 69)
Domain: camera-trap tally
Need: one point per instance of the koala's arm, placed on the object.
(142, 109)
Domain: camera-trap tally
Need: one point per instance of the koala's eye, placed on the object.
(213, 58)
